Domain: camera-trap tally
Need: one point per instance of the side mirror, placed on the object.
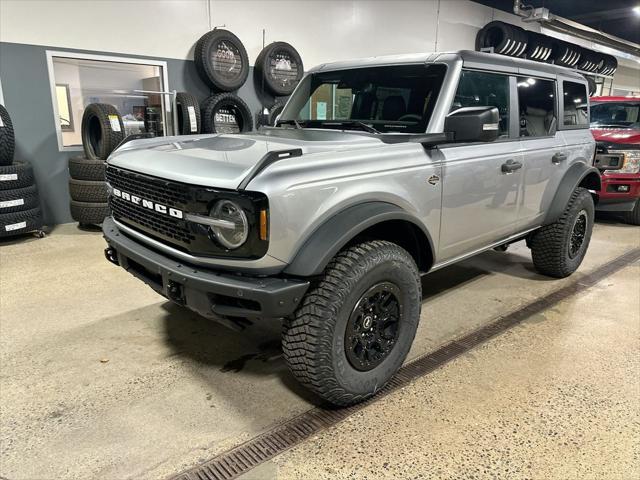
(473, 124)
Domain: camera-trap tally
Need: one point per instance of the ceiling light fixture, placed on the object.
(636, 10)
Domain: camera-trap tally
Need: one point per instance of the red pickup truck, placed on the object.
(615, 124)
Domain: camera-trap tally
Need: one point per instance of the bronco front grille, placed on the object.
(177, 232)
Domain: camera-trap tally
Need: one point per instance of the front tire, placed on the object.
(354, 328)
(559, 248)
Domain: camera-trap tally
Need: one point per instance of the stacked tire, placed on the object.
(102, 131)
(19, 201)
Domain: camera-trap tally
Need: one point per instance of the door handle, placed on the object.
(558, 157)
(511, 166)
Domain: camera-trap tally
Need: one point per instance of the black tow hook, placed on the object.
(112, 255)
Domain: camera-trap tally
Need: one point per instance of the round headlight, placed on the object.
(233, 227)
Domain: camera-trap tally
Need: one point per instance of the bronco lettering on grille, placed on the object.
(158, 207)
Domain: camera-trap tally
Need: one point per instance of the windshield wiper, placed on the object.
(357, 123)
(292, 121)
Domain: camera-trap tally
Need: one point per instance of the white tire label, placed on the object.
(192, 119)
(8, 177)
(115, 123)
(15, 226)
(12, 203)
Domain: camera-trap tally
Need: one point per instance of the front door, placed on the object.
(481, 181)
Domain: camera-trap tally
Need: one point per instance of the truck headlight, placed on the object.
(230, 226)
(631, 163)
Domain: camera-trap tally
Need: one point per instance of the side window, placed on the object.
(536, 100)
(575, 104)
(480, 89)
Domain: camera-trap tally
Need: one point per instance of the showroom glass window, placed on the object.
(576, 112)
(481, 89)
(78, 80)
(536, 107)
(390, 99)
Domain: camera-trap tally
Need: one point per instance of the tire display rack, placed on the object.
(19, 200)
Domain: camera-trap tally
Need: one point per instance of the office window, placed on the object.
(78, 80)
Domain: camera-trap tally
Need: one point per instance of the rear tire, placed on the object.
(633, 217)
(559, 248)
(354, 328)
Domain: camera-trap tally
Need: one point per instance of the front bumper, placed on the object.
(208, 292)
(610, 199)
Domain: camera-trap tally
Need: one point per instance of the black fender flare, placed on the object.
(331, 236)
(572, 179)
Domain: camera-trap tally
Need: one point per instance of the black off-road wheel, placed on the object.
(354, 328)
(559, 248)
(633, 217)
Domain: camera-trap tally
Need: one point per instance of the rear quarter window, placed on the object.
(575, 98)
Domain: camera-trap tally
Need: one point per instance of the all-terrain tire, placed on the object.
(87, 213)
(102, 130)
(18, 175)
(226, 113)
(19, 199)
(83, 168)
(188, 107)
(88, 191)
(550, 245)
(633, 217)
(221, 60)
(15, 223)
(7, 138)
(314, 339)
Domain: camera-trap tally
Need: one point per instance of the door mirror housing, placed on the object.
(473, 124)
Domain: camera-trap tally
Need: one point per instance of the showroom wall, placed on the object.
(321, 30)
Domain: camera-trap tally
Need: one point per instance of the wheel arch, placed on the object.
(364, 221)
(579, 174)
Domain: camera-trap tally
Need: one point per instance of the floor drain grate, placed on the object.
(243, 458)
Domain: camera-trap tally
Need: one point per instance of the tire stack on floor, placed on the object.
(19, 202)
(102, 131)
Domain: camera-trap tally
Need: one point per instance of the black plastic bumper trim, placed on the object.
(208, 292)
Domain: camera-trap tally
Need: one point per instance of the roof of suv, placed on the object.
(479, 60)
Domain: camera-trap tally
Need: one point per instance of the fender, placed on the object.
(330, 237)
(574, 176)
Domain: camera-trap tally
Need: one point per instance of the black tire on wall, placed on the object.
(18, 175)
(539, 47)
(506, 39)
(279, 67)
(102, 130)
(20, 222)
(19, 199)
(7, 138)
(609, 65)
(565, 54)
(590, 61)
(226, 113)
(82, 168)
(88, 191)
(276, 110)
(188, 114)
(221, 60)
(88, 213)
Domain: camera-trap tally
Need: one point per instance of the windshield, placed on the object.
(615, 115)
(397, 98)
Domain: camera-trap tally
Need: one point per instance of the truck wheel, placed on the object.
(354, 328)
(633, 217)
(558, 249)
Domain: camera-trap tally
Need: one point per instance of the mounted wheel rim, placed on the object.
(578, 233)
(373, 326)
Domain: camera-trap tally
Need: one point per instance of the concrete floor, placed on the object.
(101, 378)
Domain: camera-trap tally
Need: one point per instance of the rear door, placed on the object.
(543, 147)
(480, 196)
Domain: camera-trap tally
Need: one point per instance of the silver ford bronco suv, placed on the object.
(377, 172)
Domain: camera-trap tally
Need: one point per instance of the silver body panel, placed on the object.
(473, 207)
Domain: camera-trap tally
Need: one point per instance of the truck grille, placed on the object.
(170, 194)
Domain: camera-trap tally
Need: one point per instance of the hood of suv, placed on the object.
(624, 136)
(223, 161)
